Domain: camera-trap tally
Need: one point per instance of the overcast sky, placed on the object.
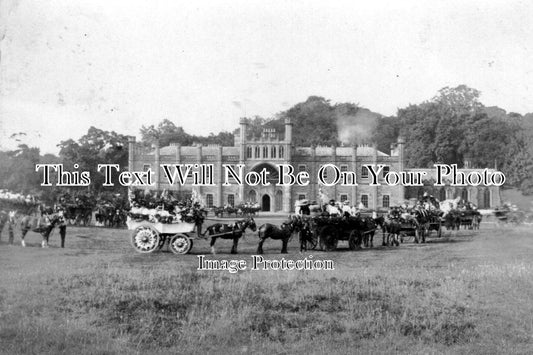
(117, 65)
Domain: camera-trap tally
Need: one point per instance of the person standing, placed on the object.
(3, 220)
(11, 223)
(62, 227)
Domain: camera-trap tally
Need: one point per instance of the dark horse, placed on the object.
(370, 225)
(283, 233)
(391, 228)
(43, 225)
(230, 231)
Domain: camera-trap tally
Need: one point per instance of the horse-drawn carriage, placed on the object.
(149, 236)
(469, 219)
(327, 231)
(406, 226)
(506, 215)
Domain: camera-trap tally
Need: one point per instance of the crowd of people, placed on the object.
(332, 208)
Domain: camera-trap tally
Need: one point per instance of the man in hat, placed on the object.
(304, 208)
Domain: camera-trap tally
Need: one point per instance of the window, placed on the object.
(248, 152)
(281, 152)
(278, 201)
(344, 197)
(231, 200)
(442, 194)
(209, 200)
(301, 197)
(344, 167)
(386, 201)
(364, 172)
(301, 168)
(257, 152)
(325, 173)
(486, 198)
(464, 195)
(273, 151)
(364, 200)
(385, 170)
(146, 167)
(252, 196)
(265, 152)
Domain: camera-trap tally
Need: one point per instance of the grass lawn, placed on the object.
(468, 292)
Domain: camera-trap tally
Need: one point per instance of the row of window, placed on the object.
(209, 200)
(344, 167)
(259, 152)
(301, 167)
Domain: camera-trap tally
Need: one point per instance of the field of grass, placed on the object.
(464, 293)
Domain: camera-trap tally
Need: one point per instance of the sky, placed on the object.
(117, 65)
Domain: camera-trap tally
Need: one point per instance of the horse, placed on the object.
(422, 217)
(452, 220)
(391, 226)
(370, 224)
(227, 231)
(476, 221)
(42, 225)
(283, 233)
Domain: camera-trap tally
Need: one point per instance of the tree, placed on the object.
(461, 99)
(17, 169)
(96, 147)
(386, 132)
(316, 122)
(165, 133)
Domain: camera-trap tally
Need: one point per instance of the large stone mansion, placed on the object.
(274, 148)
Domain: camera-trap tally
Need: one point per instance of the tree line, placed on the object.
(451, 128)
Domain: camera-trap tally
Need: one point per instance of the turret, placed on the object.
(288, 130)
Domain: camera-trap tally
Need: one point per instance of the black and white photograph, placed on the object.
(266, 177)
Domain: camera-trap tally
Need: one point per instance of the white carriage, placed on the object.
(150, 236)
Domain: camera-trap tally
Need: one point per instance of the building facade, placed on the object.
(272, 149)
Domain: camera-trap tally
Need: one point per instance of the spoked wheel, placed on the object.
(328, 239)
(312, 241)
(145, 239)
(180, 244)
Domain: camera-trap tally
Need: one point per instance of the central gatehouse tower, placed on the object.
(266, 152)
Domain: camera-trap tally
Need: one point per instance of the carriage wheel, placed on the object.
(328, 238)
(354, 240)
(145, 239)
(180, 244)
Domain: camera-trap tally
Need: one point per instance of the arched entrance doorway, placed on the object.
(265, 203)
